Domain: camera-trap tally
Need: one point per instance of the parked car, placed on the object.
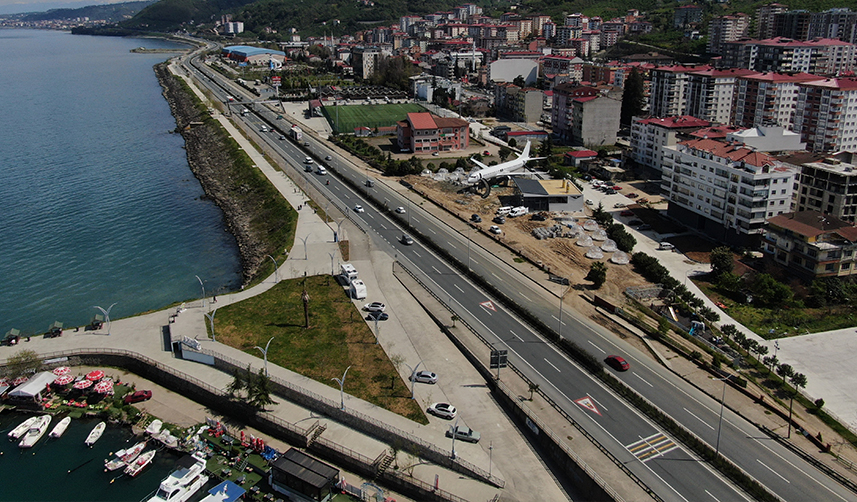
(475, 218)
(635, 223)
(359, 209)
(589, 202)
(633, 195)
(644, 227)
(381, 316)
(406, 240)
(375, 307)
(616, 187)
(610, 191)
(666, 246)
(499, 220)
(538, 217)
(464, 434)
(424, 377)
(486, 153)
(136, 397)
(435, 154)
(443, 410)
(495, 230)
(627, 212)
(618, 363)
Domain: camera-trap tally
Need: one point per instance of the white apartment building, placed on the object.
(668, 89)
(710, 93)
(725, 190)
(650, 135)
(767, 98)
(826, 114)
(725, 29)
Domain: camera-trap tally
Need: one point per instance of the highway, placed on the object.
(666, 467)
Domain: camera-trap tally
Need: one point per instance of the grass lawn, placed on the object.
(337, 338)
(345, 118)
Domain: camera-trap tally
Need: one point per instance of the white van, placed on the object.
(503, 211)
(348, 271)
(308, 160)
(518, 211)
(321, 171)
(358, 289)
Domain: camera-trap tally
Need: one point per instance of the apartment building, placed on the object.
(819, 56)
(668, 89)
(649, 135)
(812, 244)
(364, 60)
(724, 189)
(710, 93)
(765, 16)
(767, 98)
(726, 29)
(582, 115)
(826, 114)
(517, 104)
(428, 133)
(829, 185)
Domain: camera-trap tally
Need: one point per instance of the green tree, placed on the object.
(23, 363)
(519, 81)
(721, 261)
(504, 153)
(785, 371)
(769, 292)
(633, 98)
(597, 274)
(259, 391)
(512, 143)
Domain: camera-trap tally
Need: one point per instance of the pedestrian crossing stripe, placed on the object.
(651, 447)
(489, 305)
(588, 404)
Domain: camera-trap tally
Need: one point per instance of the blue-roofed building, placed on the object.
(252, 55)
(226, 491)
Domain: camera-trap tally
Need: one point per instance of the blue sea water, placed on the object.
(97, 202)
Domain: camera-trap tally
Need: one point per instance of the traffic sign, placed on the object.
(489, 305)
(587, 403)
(499, 359)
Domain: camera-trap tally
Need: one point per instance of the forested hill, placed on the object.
(170, 14)
(111, 12)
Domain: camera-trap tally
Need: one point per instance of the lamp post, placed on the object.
(276, 275)
(413, 376)
(210, 316)
(720, 421)
(264, 353)
(304, 239)
(561, 298)
(454, 429)
(332, 270)
(106, 315)
(377, 328)
(342, 388)
(490, 451)
(203, 290)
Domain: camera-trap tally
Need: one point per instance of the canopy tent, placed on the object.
(34, 386)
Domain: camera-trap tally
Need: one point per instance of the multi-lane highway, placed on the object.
(666, 467)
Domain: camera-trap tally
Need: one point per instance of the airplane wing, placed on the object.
(480, 164)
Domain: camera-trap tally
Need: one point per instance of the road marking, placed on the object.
(554, 367)
(516, 336)
(643, 379)
(712, 496)
(654, 446)
(418, 255)
(557, 319)
(451, 245)
(495, 275)
(456, 287)
(525, 297)
(432, 231)
(696, 417)
(596, 346)
(599, 403)
(775, 472)
(586, 402)
(763, 445)
(488, 305)
(383, 226)
(415, 220)
(435, 269)
(474, 261)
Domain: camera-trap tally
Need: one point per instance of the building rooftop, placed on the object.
(735, 152)
(813, 224)
(677, 122)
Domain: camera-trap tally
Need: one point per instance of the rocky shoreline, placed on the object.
(211, 163)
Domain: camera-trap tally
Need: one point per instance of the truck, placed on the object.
(358, 289)
(348, 271)
(296, 133)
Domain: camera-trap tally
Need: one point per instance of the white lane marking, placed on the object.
(369, 215)
(557, 319)
(432, 231)
(418, 255)
(495, 275)
(799, 469)
(696, 417)
(552, 366)
(456, 287)
(383, 226)
(451, 245)
(525, 297)
(516, 336)
(414, 219)
(435, 269)
(474, 261)
(712, 496)
(775, 472)
(596, 346)
(597, 402)
(643, 379)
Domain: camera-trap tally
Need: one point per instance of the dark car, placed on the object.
(635, 223)
(136, 397)
(499, 220)
(381, 316)
(610, 191)
(627, 212)
(475, 218)
(617, 363)
(538, 217)
(405, 184)
(644, 227)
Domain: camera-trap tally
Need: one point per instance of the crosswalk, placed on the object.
(651, 447)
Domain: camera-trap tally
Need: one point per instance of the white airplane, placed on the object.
(488, 172)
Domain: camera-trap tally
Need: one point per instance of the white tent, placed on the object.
(34, 386)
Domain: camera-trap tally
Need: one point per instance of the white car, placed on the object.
(495, 230)
(400, 210)
(359, 209)
(424, 377)
(374, 307)
(589, 202)
(443, 410)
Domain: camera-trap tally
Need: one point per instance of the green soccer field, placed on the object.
(344, 119)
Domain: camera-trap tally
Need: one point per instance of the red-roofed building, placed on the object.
(650, 135)
(767, 98)
(427, 133)
(715, 132)
(822, 56)
(824, 114)
(725, 190)
(710, 93)
(576, 157)
(668, 89)
(812, 244)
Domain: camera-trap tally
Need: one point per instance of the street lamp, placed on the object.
(332, 270)
(106, 315)
(720, 422)
(413, 376)
(304, 239)
(203, 290)
(341, 388)
(264, 353)
(454, 429)
(276, 275)
(210, 316)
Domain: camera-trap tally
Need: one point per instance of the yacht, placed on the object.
(182, 483)
(60, 428)
(19, 431)
(36, 431)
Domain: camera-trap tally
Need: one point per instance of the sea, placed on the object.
(97, 203)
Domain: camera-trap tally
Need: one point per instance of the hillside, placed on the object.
(170, 14)
(111, 12)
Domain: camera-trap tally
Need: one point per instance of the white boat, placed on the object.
(60, 428)
(19, 431)
(95, 434)
(36, 431)
(154, 427)
(135, 467)
(182, 483)
(124, 457)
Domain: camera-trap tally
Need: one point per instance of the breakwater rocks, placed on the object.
(214, 163)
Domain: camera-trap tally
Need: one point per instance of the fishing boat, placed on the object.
(19, 431)
(60, 428)
(124, 457)
(137, 466)
(36, 431)
(95, 434)
(184, 482)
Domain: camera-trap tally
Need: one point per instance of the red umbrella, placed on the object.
(20, 380)
(62, 370)
(5, 383)
(83, 384)
(95, 375)
(103, 387)
(64, 380)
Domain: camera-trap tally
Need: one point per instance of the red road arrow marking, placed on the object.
(489, 305)
(588, 404)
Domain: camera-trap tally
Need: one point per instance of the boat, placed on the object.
(60, 428)
(36, 431)
(19, 431)
(95, 434)
(137, 466)
(184, 482)
(154, 427)
(125, 457)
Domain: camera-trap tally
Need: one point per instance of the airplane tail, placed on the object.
(525, 155)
